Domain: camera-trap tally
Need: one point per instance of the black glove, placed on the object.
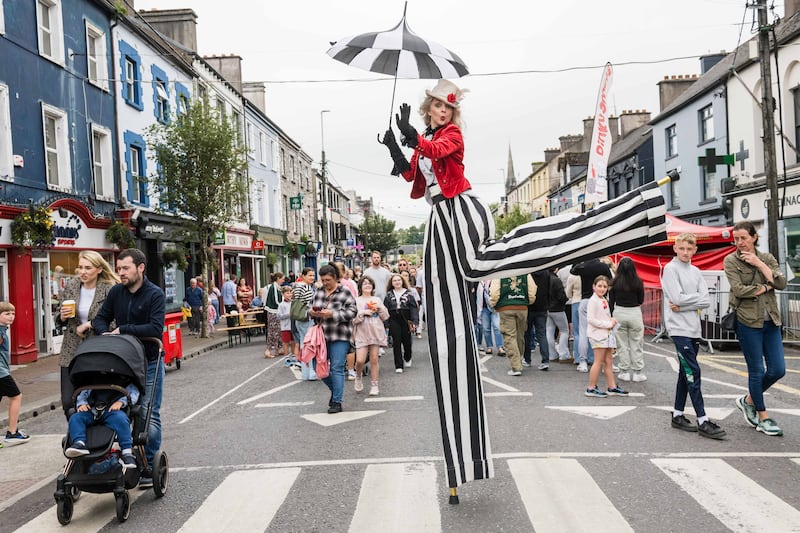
(400, 162)
(408, 131)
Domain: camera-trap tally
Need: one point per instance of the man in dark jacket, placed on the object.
(138, 306)
(588, 271)
(537, 319)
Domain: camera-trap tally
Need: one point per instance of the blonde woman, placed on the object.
(88, 291)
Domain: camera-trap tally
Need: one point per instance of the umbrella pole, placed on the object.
(391, 108)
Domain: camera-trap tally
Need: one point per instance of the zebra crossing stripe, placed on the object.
(547, 488)
(247, 500)
(396, 498)
(91, 513)
(737, 501)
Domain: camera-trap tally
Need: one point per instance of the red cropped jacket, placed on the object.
(446, 152)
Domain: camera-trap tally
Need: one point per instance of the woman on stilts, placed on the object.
(460, 247)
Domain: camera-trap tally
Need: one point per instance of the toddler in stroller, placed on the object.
(106, 407)
(109, 374)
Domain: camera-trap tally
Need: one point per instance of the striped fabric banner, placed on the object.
(399, 52)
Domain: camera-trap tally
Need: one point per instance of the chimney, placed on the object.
(632, 119)
(571, 143)
(671, 87)
(256, 93)
(613, 125)
(229, 66)
(178, 24)
(709, 60)
(550, 153)
(790, 7)
(588, 126)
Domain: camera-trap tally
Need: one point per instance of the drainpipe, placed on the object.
(114, 88)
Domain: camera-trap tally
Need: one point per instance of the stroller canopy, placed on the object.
(109, 359)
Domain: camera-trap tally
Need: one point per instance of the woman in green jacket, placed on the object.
(754, 276)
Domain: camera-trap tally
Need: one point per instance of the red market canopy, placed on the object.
(713, 244)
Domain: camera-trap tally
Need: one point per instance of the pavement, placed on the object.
(40, 381)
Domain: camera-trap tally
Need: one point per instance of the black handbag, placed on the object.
(728, 321)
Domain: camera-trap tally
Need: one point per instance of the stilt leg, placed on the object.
(453, 497)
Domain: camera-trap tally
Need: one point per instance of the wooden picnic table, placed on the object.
(242, 326)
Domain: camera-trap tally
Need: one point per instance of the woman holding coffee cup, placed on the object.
(80, 302)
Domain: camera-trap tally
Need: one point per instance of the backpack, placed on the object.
(298, 310)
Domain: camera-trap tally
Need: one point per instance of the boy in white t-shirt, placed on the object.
(286, 322)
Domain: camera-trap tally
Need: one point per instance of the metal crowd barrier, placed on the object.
(713, 334)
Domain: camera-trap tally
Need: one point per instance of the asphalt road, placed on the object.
(252, 449)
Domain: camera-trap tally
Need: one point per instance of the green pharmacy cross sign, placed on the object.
(296, 202)
(711, 160)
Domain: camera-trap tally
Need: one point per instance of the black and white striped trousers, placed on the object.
(460, 247)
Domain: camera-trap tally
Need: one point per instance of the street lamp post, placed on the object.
(324, 191)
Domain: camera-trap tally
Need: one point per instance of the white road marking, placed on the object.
(324, 419)
(499, 385)
(495, 394)
(547, 488)
(231, 391)
(603, 412)
(733, 498)
(793, 412)
(283, 404)
(245, 501)
(724, 383)
(398, 497)
(715, 413)
(393, 398)
(267, 393)
(721, 396)
(91, 513)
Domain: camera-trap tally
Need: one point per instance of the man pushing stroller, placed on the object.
(106, 407)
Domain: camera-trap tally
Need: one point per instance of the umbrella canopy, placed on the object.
(399, 52)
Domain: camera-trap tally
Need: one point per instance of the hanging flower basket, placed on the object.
(120, 234)
(170, 256)
(33, 228)
(292, 250)
(272, 258)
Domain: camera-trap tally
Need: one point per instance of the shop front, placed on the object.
(158, 234)
(234, 249)
(41, 274)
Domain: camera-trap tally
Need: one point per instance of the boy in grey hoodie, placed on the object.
(685, 293)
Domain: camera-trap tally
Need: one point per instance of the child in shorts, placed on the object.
(8, 387)
(286, 322)
(599, 330)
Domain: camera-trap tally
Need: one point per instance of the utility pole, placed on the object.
(324, 191)
(768, 126)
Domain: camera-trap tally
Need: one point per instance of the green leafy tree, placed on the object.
(379, 234)
(415, 235)
(202, 176)
(512, 219)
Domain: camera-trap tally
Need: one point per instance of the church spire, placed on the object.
(511, 180)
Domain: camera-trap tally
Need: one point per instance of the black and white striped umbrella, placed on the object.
(399, 52)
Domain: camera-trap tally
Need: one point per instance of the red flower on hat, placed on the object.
(451, 98)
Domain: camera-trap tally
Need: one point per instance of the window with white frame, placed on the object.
(56, 147)
(162, 101)
(96, 63)
(671, 137)
(251, 144)
(2, 19)
(221, 109)
(706, 123)
(262, 148)
(136, 162)
(275, 156)
(102, 163)
(236, 117)
(51, 33)
(6, 149)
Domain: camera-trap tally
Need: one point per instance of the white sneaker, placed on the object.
(381, 351)
(638, 376)
(351, 375)
(583, 367)
(514, 372)
(359, 385)
(398, 370)
(373, 390)
(624, 376)
(615, 368)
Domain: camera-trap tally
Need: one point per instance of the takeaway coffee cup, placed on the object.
(69, 305)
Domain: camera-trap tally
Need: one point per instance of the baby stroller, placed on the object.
(110, 362)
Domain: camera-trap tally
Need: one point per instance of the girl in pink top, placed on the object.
(369, 332)
(599, 329)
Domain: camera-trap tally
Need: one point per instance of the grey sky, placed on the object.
(286, 42)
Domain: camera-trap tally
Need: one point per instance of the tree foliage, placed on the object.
(412, 235)
(378, 234)
(202, 174)
(510, 220)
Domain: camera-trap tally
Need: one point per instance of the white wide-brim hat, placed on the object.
(447, 92)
